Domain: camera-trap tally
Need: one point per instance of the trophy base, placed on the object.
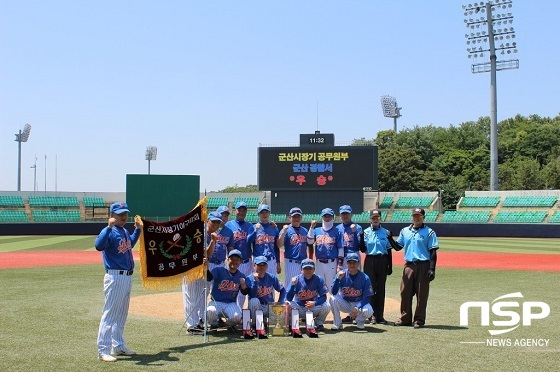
(278, 332)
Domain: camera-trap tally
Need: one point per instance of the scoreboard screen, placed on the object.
(318, 168)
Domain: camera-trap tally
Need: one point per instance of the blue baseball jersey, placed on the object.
(116, 245)
(225, 285)
(417, 243)
(295, 243)
(308, 290)
(225, 240)
(376, 241)
(327, 243)
(264, 288)
(241, 231)
(353, 288)
(264, 242)
(350, 239)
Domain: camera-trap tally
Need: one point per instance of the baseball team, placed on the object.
(322, 267)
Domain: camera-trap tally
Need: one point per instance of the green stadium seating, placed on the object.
(53, 201)
(213, 203)
(386, 202)
(401, 216)
(466, 216)
(93, 202)
(520, 217)
(56, 215)
(11, 201)
(252, 216)
(278, 217)
(414, 201)
(530, 201)
(555, 218)
(431, 216)
(9, 215)
(252, 202)
(480, 201)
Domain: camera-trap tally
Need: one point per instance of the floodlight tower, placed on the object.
(151, 154)
(21, 137)
(498, 38)
(391, 109)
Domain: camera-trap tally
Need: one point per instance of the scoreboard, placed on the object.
(317, 168)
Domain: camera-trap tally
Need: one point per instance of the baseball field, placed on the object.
(51, 301)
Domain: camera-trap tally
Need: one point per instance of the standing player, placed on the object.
(224, 211)
(264, 240)
(351, 291)
(308, 292)
(420, 245)
(241, 230)
(329, 252)
(116, 244)
(226, 285)
(224, 242)
(378, 263)
(349, 231)
(193, 290)
(261, 288)
(293, 238)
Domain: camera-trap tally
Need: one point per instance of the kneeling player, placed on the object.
(351, 291)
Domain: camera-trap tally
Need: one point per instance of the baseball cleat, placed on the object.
(107, 358)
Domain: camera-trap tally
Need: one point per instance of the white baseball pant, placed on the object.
(193, 300)
(327, 271)
(254, 305)
(229, 310)
(291, 268)
(320, 312)
(338, 304)
(247, 270)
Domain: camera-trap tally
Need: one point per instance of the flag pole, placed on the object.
(205, 285)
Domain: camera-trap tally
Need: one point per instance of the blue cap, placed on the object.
(234, 252)
(294, 211)
(240, 204)
(353, 256)
(222, 208)
(308, 262)
(215, 216)
(260, 260)
(327, 211)
(345, 209)
(119, 208)
(263, 207)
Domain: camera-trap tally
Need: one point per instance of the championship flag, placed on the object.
(173, 249)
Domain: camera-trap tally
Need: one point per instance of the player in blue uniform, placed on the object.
(262, 286)
(349, 231)
(351, 291)
(224, 243)
(264, 240)
(293, 238)
(116, 243)
(308, 292)
(226, 285)
(329, 252)
(378, 263)
(241, 230)
(420, 245)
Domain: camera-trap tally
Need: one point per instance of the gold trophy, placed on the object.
(279, 311)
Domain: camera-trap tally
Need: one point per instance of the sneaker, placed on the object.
(107, 358)
(347, 319)
(360, 325)
(123, 351)
(320, 328)
(196, 330)
(418, 325)
(336, 328)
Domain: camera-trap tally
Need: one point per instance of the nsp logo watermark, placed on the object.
(506, 310)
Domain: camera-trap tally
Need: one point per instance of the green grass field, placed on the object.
(50, 316)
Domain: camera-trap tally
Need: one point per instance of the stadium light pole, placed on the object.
(34, 166)
(497, 20)
(22, 136)
(151, 154)
(391, 109)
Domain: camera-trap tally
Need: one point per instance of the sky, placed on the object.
(207, 82)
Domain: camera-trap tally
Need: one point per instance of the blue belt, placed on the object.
(327, 261)
(121, 272)
(292, 260)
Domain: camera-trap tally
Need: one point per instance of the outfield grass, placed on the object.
(50, 316)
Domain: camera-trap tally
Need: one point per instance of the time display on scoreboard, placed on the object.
(316, 139)
(317, 168)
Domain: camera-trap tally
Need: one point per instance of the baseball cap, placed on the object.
(222, 208)
(327, 211)
(240, 204)
(119, 208)
(352, 256)
(234, 252)
(294, 211)
(345, 209)
(375, 213)
(418, 211)
(263, 207)
(307, 263)
(215, 216)
(260, 260)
